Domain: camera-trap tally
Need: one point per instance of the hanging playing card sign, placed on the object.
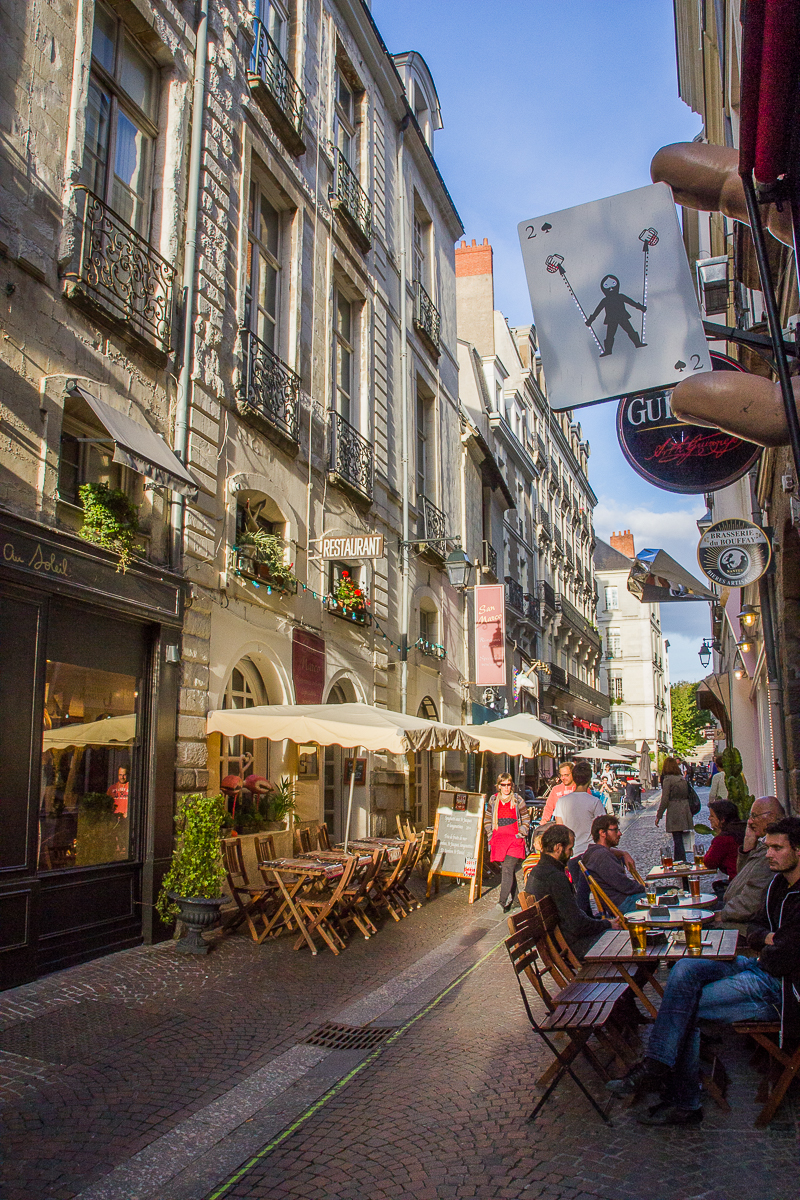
(613, 298)
(681, 458)
(734, 552)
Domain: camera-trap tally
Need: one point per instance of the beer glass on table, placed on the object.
(666, 857)
(693, 932)
(694, 888)
(638, 932)
(651, 895)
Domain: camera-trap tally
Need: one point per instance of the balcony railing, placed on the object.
(277, 90)
(554, 482)
(551, 675)
(531, 609)
(489, 558)
(270, 393)
(597, 699)
(541, 451)
(119, 274)
(543, 520)
(514, 594)
(547, 596)
(433, 526)
(352, 202)
(577, 620)
(559, 540)
(426, 317)
(351, 462)
(570, 555)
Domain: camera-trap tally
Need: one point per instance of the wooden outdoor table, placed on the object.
(335, 856)
(293, 875)
(686, 871)
(677, 915)
(392, 846)
(613, 948)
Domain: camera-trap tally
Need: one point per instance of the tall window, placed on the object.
(615, 687)
(419, 248)
(428, 625)
(262, 298)
(612, 597)
(616, 723)
(273, 18)
(344, 335)
(344, 120)
(120, 122)
(424, 445)
(241, 755)
(614, 643)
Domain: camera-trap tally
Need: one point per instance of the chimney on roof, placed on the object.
(623, 542)
(474, 259)
(475, 295)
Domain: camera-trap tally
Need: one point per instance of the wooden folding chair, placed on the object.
(323, 837)
(382, 895)
(303, 840)
(251, 900)
(606, 907)
(578, 1021)
(783, 1066)
(639, 879)
(400, 888)
(321, 913)
(265, 847)
(355, 899)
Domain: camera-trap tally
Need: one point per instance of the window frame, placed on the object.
(344, 122)
(120, 100)
(256, 249)
(341, 346)
(79, 431)
(611, 590)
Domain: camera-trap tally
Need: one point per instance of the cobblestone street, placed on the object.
(147, 1076)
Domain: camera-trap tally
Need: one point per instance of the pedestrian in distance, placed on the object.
(719, 789)
(747, 989)
(565, 784)
(506, 820)
(675, 803)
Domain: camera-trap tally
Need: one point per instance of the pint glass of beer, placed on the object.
(652, 896)
(694, 888)
(638, 932)
(693, 932)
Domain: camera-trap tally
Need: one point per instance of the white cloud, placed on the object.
(673, 530)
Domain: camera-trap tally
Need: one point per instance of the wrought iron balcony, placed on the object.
(352, 458)
(577, 620)
(269, 396)
(547, 596)
(514, 594)
(118, 274)
(426, 317)
(352, 202)
(598, 700)
(551, 675)
(531, 609)
(433, 526)
(489, 559)
(554, 482)
(570, 555)
(543, 521)
(277, 91)
(541, 451)
(345, 612)
(559, 540)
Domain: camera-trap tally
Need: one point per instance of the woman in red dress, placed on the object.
(506, 822)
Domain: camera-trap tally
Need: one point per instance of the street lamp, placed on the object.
(459, 569)
(745, 645)
(748, 616)
(705, 653)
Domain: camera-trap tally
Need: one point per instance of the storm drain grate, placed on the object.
(347, 1037)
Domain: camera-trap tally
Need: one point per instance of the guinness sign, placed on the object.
(734, 552)
(676, 457)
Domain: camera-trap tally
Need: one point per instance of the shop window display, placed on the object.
(88, 791)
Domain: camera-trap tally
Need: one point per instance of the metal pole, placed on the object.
(773, 319)
(350, 797)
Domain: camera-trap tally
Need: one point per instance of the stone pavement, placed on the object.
(145, 1076)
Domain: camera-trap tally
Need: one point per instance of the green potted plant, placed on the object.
(192, 887)
(282, 801)
(110, 520)
(348, 600)
(264, 556)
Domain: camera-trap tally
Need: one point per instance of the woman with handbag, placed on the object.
(506, 820)
(678, 800)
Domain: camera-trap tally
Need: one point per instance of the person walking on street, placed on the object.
(675, 803)
(719, 789)
(506, 820)
(747, 989)
(577, 810)
(565, 786)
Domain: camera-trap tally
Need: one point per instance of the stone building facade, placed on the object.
(232, 233)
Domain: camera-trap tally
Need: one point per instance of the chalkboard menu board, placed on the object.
(458, 840)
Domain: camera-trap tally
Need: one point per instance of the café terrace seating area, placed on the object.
(322, 895)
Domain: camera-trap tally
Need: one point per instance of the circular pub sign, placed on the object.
(734, 552)
(677, 457)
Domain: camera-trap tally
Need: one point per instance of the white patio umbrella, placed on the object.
(532, 727)
(604, 755)
(505, 741)
(645, 767)
(359, 725)
(111, 731)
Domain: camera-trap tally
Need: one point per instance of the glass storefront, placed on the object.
(86, 784)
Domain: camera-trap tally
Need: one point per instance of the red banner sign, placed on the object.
(490, 635)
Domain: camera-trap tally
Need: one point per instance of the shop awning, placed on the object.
(113, 731)
(341, 725)
(769, 73)
(713, 693)
(139, 447)
(605, 755)
(656, 578)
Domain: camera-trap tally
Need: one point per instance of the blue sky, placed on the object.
(546, 106)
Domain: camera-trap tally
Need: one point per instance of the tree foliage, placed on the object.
(687, 719)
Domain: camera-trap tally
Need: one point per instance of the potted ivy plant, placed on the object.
(192, 887)
(264, 555)
(110, 520)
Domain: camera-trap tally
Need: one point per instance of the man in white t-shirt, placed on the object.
(577, 810)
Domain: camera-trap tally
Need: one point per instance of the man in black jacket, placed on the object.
(549, 878)
(746, 989)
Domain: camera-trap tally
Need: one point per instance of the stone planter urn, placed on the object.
(197, 913)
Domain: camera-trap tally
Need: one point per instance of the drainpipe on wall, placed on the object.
(181, 439)
(404, 475)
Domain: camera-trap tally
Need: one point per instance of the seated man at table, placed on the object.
(744, 894)
(747, 989)
(607, 864)
(549, 878)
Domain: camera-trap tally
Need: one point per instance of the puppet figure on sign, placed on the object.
(616, 316)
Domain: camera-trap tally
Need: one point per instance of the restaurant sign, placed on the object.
(346, 549)
(734, 552)
(490, 635)
(681, 458)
